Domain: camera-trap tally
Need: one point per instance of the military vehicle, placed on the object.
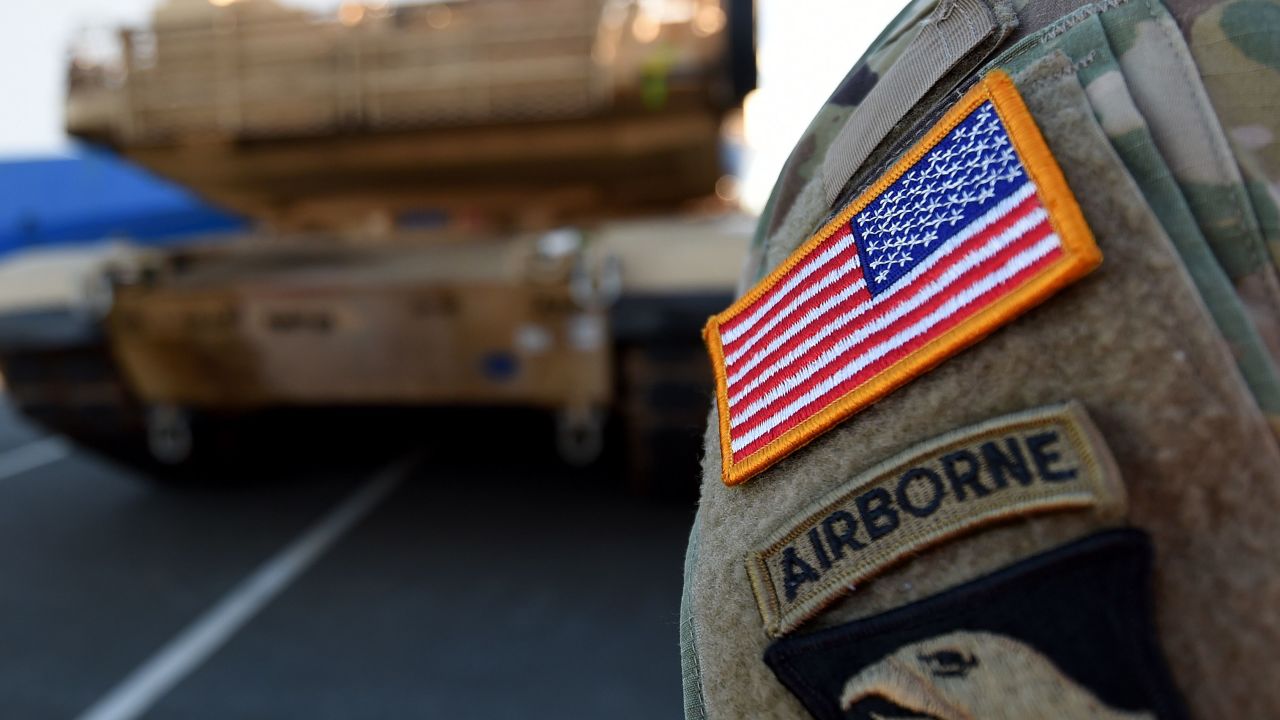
(470, 203)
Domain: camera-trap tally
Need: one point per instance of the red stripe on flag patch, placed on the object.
(972, 227)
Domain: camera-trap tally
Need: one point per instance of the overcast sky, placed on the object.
(806, 46)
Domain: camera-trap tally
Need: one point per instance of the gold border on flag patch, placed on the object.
(972, 227)
(1046, 460)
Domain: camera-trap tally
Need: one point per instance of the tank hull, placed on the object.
(539, 174)
(364, 327)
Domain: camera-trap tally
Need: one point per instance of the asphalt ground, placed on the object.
(450, 575)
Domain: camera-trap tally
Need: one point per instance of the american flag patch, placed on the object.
(972, 227)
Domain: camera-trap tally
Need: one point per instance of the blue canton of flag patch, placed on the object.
(974, 168)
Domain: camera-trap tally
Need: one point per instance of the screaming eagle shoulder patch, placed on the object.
(969, 229)
(1067, 634)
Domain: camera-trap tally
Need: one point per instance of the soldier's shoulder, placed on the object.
(1009, 343)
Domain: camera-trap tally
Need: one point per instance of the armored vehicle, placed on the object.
(472, 203)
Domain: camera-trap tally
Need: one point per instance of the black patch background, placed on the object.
(1085, 606)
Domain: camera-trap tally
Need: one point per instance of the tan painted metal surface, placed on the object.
(555, 109)
(390, 330)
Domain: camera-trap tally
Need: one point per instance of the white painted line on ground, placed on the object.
(190, 648)
(34, 454)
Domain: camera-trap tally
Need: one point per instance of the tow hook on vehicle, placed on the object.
(580, 435)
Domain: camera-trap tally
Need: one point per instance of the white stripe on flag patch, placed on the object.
(737, 372)
(841, 271)
(955, 272)
(953, 305)
(731, 334)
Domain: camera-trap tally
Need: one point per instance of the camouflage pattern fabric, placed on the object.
(1163, 77)
(1237, 53)
(1238, 56)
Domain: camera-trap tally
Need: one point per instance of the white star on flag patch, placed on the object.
(971, 228)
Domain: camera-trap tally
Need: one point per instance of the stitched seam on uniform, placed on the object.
(1038, 84)
(1086, 61)
(694, 699)
(908, 27)
(1063, 25)
(1100, 488)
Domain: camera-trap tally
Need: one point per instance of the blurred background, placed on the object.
(350, 351)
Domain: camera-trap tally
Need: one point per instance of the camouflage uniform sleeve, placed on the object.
(1063, 505)
(1238, 59)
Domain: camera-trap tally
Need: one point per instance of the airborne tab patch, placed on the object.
(1046, 460)
(972, 227)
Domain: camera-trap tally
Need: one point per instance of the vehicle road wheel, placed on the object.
(170, 437)
(580, 436)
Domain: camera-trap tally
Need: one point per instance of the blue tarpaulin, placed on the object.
(93, 195)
